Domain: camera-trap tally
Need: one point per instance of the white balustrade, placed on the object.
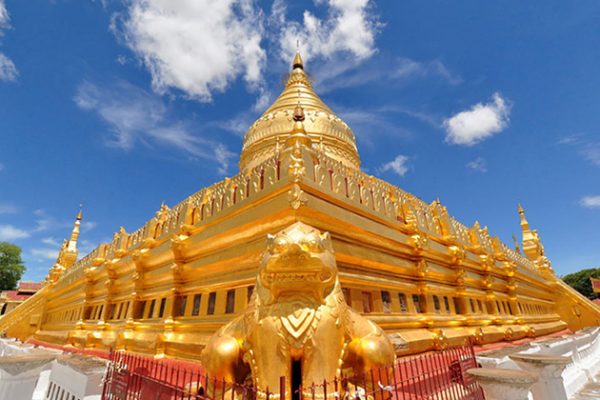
(580, 361)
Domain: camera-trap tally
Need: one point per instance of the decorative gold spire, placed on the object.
(524, 222)
(532, 245)
(68, 253)
(72, 245)
(298, 61)
(260, 142)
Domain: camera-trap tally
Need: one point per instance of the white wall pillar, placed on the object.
(503, 384)
(78, 376)
(19, 374)
(548, 369)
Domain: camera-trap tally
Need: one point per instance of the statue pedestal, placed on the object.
(548, 369)
(503, 384)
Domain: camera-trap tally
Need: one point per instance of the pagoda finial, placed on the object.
(524, 222)
(297, 63)
(531, 244)
(72, 246)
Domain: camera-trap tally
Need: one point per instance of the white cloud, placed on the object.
(479, 164)
(9, 232)
(570, 139)
(121, 59)
(398, 165)
(196, 46)
(8, 208)
(86, 247)
(590, 201)
(482, 121)
(587, 148)
(44, 222)
(4, 18)
(50, 241)
(351, 72)
(411, 69)
(349, 27)
(138, 117)
(591, 152)
(42, 254)
(8, 70)
(223, 156)
(87, 226)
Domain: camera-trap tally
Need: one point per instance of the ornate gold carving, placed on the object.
(460, 276)
(510, 267)
(418, 243)
(296, 197)
(487, 262)
(422, 268)
(457, 254)
(488, 281)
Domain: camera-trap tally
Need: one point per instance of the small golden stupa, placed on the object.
(403, 274)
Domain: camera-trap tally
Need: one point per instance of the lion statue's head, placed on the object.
(298, 261)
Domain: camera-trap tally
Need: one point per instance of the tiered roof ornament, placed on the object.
(333, 136)
(68, 252)
(532, 244)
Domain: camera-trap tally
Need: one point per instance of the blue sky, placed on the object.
(122, 105)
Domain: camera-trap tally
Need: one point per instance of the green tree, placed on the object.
(11, 266)
(580, 281)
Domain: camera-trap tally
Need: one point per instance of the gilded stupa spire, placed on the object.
(68, 252)
(524, 222)
(297, 63)
(72, 245)
(320, 124)
(532, 245)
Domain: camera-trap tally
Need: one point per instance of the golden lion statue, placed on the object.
(297, 324)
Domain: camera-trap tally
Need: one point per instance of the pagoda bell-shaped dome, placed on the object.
(325, 129)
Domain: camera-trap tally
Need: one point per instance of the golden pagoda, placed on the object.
(398, 264)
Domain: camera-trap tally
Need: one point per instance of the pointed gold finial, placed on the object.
(524, 222)
(297, 63)
(531, 243)
(80, 213)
